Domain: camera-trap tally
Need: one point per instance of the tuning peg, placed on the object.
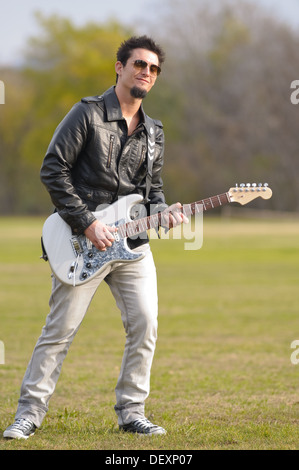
(266, 185)
(260, 185)
(253, 185)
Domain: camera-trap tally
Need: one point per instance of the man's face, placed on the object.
(135, 79)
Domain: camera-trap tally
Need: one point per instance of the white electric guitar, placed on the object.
(75, 261)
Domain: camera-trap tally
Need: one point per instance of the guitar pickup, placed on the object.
(76, 245)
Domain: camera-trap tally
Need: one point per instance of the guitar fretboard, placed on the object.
(135, 227)
(209, 203)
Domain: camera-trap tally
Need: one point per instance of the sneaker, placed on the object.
(20, 429)
(142, 426)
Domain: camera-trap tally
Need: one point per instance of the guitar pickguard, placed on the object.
(92, 261)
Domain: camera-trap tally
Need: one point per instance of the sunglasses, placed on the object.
(140, 64)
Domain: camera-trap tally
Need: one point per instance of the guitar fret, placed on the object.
(207, 203)
(129, 229)
(122, 231)
(228, 200)
(187, 209)
(144, 224)
(156, 220)
(216, 201)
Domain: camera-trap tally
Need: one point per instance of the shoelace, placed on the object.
(144, 423)
(22, 423)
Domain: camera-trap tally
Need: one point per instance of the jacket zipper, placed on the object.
(112, 137)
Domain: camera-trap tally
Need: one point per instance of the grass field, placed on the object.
(222, 377)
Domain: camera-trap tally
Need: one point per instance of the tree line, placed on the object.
(224, 97)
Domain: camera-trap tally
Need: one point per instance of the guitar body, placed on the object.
(73, 259)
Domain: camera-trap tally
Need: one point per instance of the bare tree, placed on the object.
(230, 65)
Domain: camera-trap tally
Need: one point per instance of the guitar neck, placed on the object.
(135, 227)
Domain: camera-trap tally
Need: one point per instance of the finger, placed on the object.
(102, 233)
(108, 235)
(101, 240)
(111, 229)
(172, 222)
(180, 217)
(180, 213)
(176, 218)
(167, 220)
(100, 245)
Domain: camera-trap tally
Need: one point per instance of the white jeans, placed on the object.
(134, 287)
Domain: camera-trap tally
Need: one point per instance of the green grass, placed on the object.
(222, 377)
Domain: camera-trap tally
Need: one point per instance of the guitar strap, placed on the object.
(151, 139)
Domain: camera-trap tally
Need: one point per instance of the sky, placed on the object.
(17, 21)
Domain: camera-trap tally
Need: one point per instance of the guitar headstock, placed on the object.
(248, 192)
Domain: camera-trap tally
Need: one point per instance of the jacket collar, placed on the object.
(113, 108)
(114, 112)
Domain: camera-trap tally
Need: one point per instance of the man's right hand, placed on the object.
(100, 235)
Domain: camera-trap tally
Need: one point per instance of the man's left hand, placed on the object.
(173, 216)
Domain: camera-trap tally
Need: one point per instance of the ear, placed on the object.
(118, 67)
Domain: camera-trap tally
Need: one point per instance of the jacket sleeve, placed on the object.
(156, 194)
(56, 172)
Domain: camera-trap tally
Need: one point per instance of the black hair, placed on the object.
(139, 42)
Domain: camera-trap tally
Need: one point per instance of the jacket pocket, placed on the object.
(110, 150)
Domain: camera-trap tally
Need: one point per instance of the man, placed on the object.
(98, 154)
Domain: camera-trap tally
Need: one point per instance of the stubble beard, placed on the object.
(138, 93)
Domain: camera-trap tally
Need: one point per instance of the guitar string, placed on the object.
(137, 226)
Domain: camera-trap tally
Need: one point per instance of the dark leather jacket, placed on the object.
(92, 161)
